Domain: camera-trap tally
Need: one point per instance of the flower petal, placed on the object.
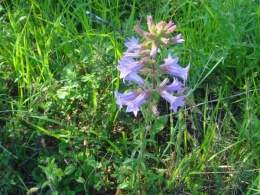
(178, 39)
(172, 67)
(134, 105)
(123, 98)
(175, 86)
(170, 27)
(174, 101)
(135, 78)
(132, 44)
(127, 66)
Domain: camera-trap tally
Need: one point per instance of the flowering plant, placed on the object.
(139, 65)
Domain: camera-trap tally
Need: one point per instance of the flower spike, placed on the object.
(140, 59)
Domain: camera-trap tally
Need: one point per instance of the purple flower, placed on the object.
(172, 67)
(139, 65)
(132, 44)
(178, 39)
(170, 27)
(175, 86)
(127, 66)
(135, 54)
(133, 48)
(135, 78)
(135, 104)
(174, 101)
(123, 98)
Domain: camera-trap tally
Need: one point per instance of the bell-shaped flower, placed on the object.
(135, 104)
(134, 49)
(128, 66)
(172, 67)
(174, 87)
(123, 98)
(134, 77)
(177, 39)
(174, 101)
(132, 44)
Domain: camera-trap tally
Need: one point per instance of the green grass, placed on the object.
(62, 133)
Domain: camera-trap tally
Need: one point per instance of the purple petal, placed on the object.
(133, 48)
(135, 78)
(132, 44)
(175, 86)
(178, 39)
(134, 105)
(123, 98)
(172, 67)
(132, 54)
(127, 66)
(174, 101)
(171, 60)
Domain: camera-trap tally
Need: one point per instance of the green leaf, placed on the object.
(159, 124)
(123, 185)
(69, 169)
(62, 93)
(80, 180)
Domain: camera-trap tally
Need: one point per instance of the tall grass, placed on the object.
(61, 132)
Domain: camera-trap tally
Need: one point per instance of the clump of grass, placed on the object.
(60, 130)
